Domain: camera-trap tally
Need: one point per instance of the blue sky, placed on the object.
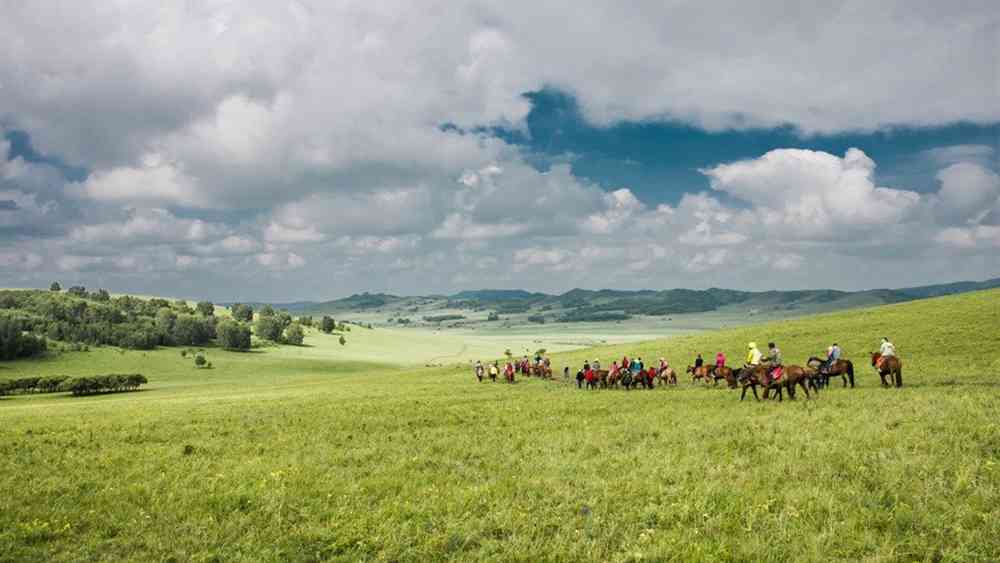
(305, 150)
(660, 160)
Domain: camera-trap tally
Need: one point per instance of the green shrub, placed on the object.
(294, 334)
(199, 360)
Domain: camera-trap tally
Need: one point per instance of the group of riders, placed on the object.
(766, 370)
(541, 367)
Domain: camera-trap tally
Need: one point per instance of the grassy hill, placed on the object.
(298, 454)
(941, 339)
(637, 308)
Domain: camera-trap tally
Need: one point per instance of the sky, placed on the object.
(291, 150)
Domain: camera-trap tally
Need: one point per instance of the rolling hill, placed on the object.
(580, 305)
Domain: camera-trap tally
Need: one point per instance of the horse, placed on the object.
(798, 375)
(666, 376)
(889, 365)
(700, 372)
(843, 368)
(579, 379)
(722, 372)
(752, 376)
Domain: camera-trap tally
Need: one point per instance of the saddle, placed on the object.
(776, 373)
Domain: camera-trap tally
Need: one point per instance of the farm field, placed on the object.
(358, 452)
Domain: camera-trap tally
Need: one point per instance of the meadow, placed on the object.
(358, 452)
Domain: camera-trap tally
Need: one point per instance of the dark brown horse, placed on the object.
(843, 368)
(753, 376)
(723, 372)
(889, 365)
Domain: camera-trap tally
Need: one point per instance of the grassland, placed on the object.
(350, 453)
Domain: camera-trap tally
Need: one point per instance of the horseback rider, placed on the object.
(596, 365)
(774, 361)
(753, 355)
(698, 362)
(832, 355)
(886, 350)
(720, 360)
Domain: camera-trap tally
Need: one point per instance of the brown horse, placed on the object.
(667, 376)
(843, 368)
(891, 366)
(751, 377)
(723, 372)
(542, 370)
(700, 372)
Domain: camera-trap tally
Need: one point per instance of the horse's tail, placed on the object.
(850, 372)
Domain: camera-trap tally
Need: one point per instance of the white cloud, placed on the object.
(810, 194)
(968, 192)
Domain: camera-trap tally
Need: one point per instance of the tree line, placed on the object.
(28, 317)
(90, 385)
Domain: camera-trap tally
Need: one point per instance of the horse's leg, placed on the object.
(805, 388)
(743, 395)
(899, 376)
(753, 387)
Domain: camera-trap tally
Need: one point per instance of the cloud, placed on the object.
(335, 144)
(968, 193)
(801, 193)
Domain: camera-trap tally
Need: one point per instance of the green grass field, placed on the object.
(325, 452)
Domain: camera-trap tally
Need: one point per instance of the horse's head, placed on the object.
(875, 357)
(690, 369)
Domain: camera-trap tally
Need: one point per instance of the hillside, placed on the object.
(943, 339)
(520, 307)
(324, 452)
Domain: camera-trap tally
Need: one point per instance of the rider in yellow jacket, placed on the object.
(753, 354)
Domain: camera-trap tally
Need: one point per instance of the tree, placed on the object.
(77, 290)
(55, 287)
(101, 295)
(182, 306)
(306, 321)
(233, 335)
(190, 330)
(206, 308)
(15, 343)
(327, 324)
(268, 328)
(200, 361)
(266, 311)
(294, 334)
(342, 340)
(493, 316)
(242, 312)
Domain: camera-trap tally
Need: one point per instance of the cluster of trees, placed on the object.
(441, 318)
(278, 326)
(114, 383)
(96, 318)
(76, 385)
(587, 314)
(16, 343)
(32, 385)
(241, 312)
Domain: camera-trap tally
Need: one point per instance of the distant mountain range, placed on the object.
(610, 304)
